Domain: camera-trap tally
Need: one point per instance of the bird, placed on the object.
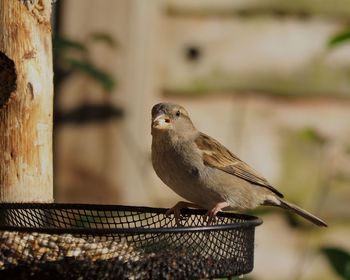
(204, 172)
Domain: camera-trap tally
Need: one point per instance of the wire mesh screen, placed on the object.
(73, 241)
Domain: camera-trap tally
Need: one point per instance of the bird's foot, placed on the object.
(176, 210)
(211, 214)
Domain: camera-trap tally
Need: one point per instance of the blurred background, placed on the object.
(269, 79)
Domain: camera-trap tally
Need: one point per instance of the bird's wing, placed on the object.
(217, 156)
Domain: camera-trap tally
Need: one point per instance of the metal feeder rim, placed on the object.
(250, 221)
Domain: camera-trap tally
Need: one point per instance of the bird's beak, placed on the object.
(161, 122)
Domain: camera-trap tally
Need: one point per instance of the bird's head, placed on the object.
(171, 118)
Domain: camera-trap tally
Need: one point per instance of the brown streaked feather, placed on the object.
(217, 156)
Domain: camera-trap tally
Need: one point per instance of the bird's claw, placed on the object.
(211, 214)
(177, 214)
(176, 210)
(210, 217)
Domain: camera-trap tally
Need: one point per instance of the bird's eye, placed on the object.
(178, 113)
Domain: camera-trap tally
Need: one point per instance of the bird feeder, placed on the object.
(71, 241)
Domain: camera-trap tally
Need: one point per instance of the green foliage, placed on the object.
(104, 38)
(339, 38)
(312, 135)
(339, 259)
(99, 76)
(72, 56)
(63, 44)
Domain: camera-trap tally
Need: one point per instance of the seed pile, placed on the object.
(64, 256)
(19, 247)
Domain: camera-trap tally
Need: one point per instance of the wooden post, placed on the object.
(26, 94)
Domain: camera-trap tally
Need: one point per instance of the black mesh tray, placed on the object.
(68, 241)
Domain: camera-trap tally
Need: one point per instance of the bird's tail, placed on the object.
(296, 209)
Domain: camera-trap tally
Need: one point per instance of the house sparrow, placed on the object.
(204, 172)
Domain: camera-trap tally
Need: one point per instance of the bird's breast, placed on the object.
(182, 169)
(172, 164)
